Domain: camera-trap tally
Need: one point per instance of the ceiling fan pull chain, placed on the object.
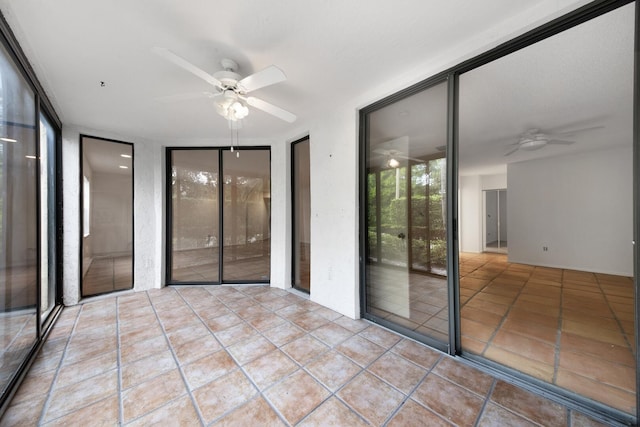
(237, 144)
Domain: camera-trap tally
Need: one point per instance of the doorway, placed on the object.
(495, 221)
(219, 213)
(558, 313)
(301, 215)
(405, 275)
(106, 171)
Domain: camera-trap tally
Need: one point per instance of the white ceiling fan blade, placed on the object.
(271, 109)
(560, 142)
(269, 76)
(571, 132)
(513, 150)
(183, 63)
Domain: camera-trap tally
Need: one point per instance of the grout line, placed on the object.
(119, 363)
(223, 348)
(487, 399)
(556, 358)
(47, 402)
(175, 358)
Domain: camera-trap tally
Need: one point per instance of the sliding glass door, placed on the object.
(559, 306)
(542, 284)
(29, 153)
(194, 216)
(405, 272)
(219, 215)
(301, 215)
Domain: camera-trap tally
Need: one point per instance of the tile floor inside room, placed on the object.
(571, 328)
(253, 355)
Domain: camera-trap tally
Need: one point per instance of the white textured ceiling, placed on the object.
(332, 52)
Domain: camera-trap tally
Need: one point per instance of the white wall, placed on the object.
(470, 213)
(334, 213)
(148, 213)
(579, 206)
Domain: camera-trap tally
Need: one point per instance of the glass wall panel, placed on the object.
(406, 245)
(107, 242)
(47, 218)
(301, 186)
(553, 125)
(246, 218)
(18, 220)
(194, 216)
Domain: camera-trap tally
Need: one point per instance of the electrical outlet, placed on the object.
(545, 249)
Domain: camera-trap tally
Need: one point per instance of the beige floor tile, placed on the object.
(398, 372)
(75, 372)
(360, 350)
(105, 412)
(248, 350)
(195, 349)
(207, 369)
(452, 402)
(304, 349)
(223, 395)
(151, 395)
(371, 398)
(296, 396)
(270, 368)
(256, 412)
(470, 378)
(142, 349)
(414, 414)
(528, 405)
(494, 415)
(333, 413)
(284, 333)
(80, 394)
(181, 412)
(333, 369)
(331, 334)
(144, 369)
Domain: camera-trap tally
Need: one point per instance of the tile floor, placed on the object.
(254, 355)
(571, 328)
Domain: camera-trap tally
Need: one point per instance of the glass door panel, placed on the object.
(19, 243)
(560, 306)
(194, 216)
(405, 281)
(47, 218)
(300, 183)
(246, 217)
(107, 216)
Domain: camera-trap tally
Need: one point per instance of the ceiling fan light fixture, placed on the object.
(393, 163)
(231, 107)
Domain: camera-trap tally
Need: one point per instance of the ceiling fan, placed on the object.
(391, 157)
(230, 98)
(535, 139)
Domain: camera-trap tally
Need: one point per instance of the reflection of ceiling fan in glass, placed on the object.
(230, 98)
(535, 139)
